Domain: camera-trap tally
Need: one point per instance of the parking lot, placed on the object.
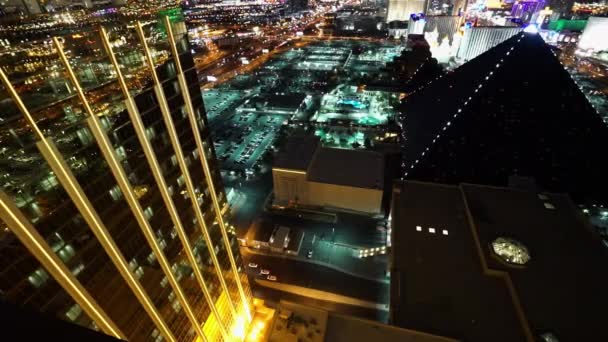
(244, 138)
(219, 102)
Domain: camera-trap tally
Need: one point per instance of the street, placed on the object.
(317, 277)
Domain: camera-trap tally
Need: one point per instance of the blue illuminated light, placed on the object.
(532, 28)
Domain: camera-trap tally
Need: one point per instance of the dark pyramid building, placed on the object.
(512, 111)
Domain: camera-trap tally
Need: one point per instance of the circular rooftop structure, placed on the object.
(511, 251)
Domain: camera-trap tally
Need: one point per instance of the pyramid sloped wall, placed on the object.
(513, 110)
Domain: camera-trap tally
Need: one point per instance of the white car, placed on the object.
(263, 271)
(253, 265)
(272, 278)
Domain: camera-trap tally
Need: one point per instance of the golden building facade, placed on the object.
(112, 206)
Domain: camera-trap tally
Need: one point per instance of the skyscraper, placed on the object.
(111, 199)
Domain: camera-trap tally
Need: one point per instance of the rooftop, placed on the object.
(341, 328)
(447, 280)
(297, 322)
(356, 168)
(297, 153)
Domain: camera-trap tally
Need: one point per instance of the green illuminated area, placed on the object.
(357, 105)
(317, 88)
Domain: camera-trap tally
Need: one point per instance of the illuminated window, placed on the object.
(445, 232)
(49, 182)
(181, 180)
(150, 133)
(133, 264)
(176, 306)
(418, 228)
(148, 213)
(432, 230)
(511, 251)
(115, 193)
(38, 278)
(121, 154)
(154, 333)
(85, 136)
(66, 253)
(139, 272)
(549, 337)
(151, 258)
(76, 270)
(74, 312)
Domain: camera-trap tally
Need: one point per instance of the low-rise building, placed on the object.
(307, 174)
(297, 322)
(483, 263)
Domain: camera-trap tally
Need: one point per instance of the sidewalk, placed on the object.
(361, 268)
(321, 295)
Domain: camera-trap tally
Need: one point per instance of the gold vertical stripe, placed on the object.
(68, 181)
(184, 169)
(161, 183)
(119, 174)
(205, 164)
(37, 246)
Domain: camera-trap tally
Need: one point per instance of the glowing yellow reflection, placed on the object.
(238, 328)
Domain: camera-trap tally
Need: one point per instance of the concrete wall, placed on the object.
(289, 186)
(345, 197)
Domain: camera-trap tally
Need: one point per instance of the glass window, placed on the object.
(49, 182)
(121, 154)
(133, 264)
(79, 268)
(184, 112)
(150, 133)
(151, 258)
(148, 213)
(38, 278)
(139, 272)
(85, 136)
(176, 306)
(66, 253)
(115, 193)
(74, 312)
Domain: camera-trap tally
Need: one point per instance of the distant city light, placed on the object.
(532, 28)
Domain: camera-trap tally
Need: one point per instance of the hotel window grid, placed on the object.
(34, 191)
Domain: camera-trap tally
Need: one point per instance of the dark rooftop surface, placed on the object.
(342, 328)
(356, 168)
(298, 153)
(563, 287)
(452, 285)
(288, 101)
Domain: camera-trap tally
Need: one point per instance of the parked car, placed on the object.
(253, 265)
(272, 278)
(264, 271)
